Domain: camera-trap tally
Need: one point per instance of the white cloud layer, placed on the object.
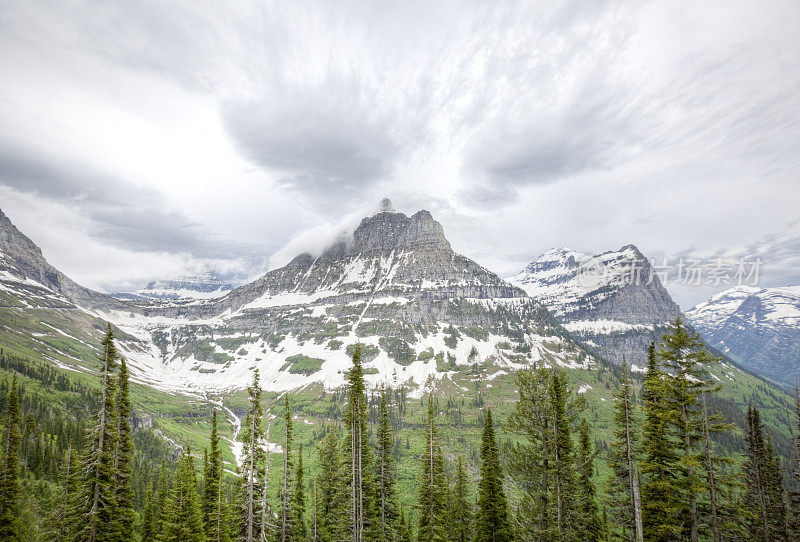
(195, 134)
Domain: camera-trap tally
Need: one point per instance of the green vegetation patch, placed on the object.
(397, 349)
(300, 364)
(477, 333)
(203, 351)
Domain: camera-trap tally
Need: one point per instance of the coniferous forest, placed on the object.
(669, 473)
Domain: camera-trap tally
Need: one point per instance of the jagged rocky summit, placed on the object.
(613, 302)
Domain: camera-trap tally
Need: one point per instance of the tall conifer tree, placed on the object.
(432, 500)
(286, 531)
(461, 513)
(590, 528)
(298, 509)
(562, 457)
(661, 504)
(251, 470)
(364, 523)
(10, 465)
(492, 523)
(125, 515)
(214, 512)
(764, 491)
(148, 527)
(685, 363)
(385, 474)
(185, 517)
(99, 495)
(530, 457)
(330, 489)
(624, 497)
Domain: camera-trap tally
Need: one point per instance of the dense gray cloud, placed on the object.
(316, 148)
(237, 135)
(125, 214)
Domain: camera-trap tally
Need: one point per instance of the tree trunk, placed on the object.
(251, 481)
(266, 490)
(712, 489)
(633, 479)
(100, 445)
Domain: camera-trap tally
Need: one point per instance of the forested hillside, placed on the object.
(678, 461)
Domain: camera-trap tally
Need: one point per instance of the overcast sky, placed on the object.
(139, 140)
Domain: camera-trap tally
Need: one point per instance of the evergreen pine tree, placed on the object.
(685, 363)
(330, 489)
(10, 465)
(148, 529)
(385, 474)
(492, 523)
(563, 466)
(661, 506)
(624, 498)
(461, 514)
(432, 500)
(251, 471)
(404, 533)
(184, 522)
(298, 508)
(286, 531)
(530, 457)
(214, 512)
(723, 519)
(163, 489)
(364, 522)
(794, 493)
(590, 528)
(764, 492)
(99, 495)
(66, 511)
(124, 514)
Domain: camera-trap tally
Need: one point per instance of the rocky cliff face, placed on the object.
(614, 302)
(24, 270)
(757, 327)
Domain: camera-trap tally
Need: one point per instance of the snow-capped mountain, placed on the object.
(420, 311)
(613, 302)
(205, 285)
(757, 327)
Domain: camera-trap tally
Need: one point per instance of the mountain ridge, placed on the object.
(757, 327)
(421, 311)
(613, 301)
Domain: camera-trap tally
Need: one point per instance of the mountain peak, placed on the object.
(611, 300)
(388, 231)
(758, 327)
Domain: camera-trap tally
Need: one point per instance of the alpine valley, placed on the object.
(427, 318)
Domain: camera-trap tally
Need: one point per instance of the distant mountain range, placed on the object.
(757, 327)
(205, 285)
(425, 315)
